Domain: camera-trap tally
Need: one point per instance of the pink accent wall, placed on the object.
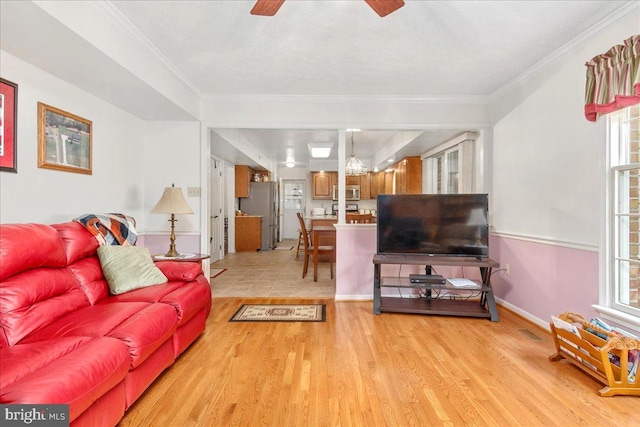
(356, 246)
(159, 244)
(545, 280)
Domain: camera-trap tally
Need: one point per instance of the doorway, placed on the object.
(294, 196)
(216, 228)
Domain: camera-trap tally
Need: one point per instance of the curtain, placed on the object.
(613, 79)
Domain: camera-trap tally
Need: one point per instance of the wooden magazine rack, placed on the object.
(591, 352)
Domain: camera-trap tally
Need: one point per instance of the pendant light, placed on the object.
(354, 166)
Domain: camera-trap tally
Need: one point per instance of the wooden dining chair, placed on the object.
(308, 249)
(301, 242)
(358, 218)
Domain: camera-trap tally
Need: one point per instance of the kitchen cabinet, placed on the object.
(377, 184)
(365, 187)
(244, 174)
(408, 176)
(388, 182)
(322, 185)
(248, 233)
(352, 180)
(401, 177)
(405, 177)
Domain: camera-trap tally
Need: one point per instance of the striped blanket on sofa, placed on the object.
(111, 228)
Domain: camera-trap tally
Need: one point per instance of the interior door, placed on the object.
(216, 203)
(294, 196)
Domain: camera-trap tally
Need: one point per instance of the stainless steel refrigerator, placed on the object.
(263, 200)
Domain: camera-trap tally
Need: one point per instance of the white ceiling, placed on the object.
(313, 47)
(426, 49)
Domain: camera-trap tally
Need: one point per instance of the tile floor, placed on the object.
(273, 273)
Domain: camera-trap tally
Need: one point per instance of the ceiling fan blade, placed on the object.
(385, 7)
(266, 7)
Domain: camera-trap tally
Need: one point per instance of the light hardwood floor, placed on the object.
(358, 369)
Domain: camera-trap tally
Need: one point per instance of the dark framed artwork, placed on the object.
(8, 126)
(64, 140)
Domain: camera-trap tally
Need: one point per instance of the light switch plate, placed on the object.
(193, 191)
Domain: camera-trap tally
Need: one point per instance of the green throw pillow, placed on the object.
(128, 267)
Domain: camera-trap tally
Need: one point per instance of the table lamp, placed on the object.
(172, 202)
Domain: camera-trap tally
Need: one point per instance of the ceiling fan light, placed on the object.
(266, 7)
(385, 7)
(290, 164)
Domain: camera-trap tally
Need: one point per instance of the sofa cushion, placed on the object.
(128, 267)
(180, 271)
(78, 242)
(88, 273)
(31, 300)
(142, 326)
(187, 298)
(27, 246)
(74, 370)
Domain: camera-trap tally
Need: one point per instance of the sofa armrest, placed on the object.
(180, 270)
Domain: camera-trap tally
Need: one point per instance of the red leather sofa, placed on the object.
(65, 339)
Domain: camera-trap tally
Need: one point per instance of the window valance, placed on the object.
(613, 79)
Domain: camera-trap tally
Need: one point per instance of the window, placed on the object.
(446, 172)
(450, 167)
(623, 258)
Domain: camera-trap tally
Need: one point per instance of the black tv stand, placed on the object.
(485, 308)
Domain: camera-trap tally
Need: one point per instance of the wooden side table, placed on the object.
(181, 257)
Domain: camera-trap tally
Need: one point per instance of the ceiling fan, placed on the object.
(381, 7)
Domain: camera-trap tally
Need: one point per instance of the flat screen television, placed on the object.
(434, 224)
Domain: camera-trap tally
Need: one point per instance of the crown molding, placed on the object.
(110, 12)
(330, 99)
(621, 14)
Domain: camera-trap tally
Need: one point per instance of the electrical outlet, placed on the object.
(507, 269)
(193, 191)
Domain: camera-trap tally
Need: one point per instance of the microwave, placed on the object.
(352, 192)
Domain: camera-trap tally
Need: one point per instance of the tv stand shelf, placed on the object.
(485, 308)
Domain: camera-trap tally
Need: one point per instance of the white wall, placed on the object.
(547, 186)
(172, 156)
(277, 112)
(49, 196)
(547, 158)
(546, 173)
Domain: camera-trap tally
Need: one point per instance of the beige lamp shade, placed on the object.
(172, 202)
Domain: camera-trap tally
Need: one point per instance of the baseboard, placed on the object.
(524, 314)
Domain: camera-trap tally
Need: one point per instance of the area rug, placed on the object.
(215, 272)
(280, 313)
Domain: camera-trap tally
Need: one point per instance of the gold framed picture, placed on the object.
(64, 140)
